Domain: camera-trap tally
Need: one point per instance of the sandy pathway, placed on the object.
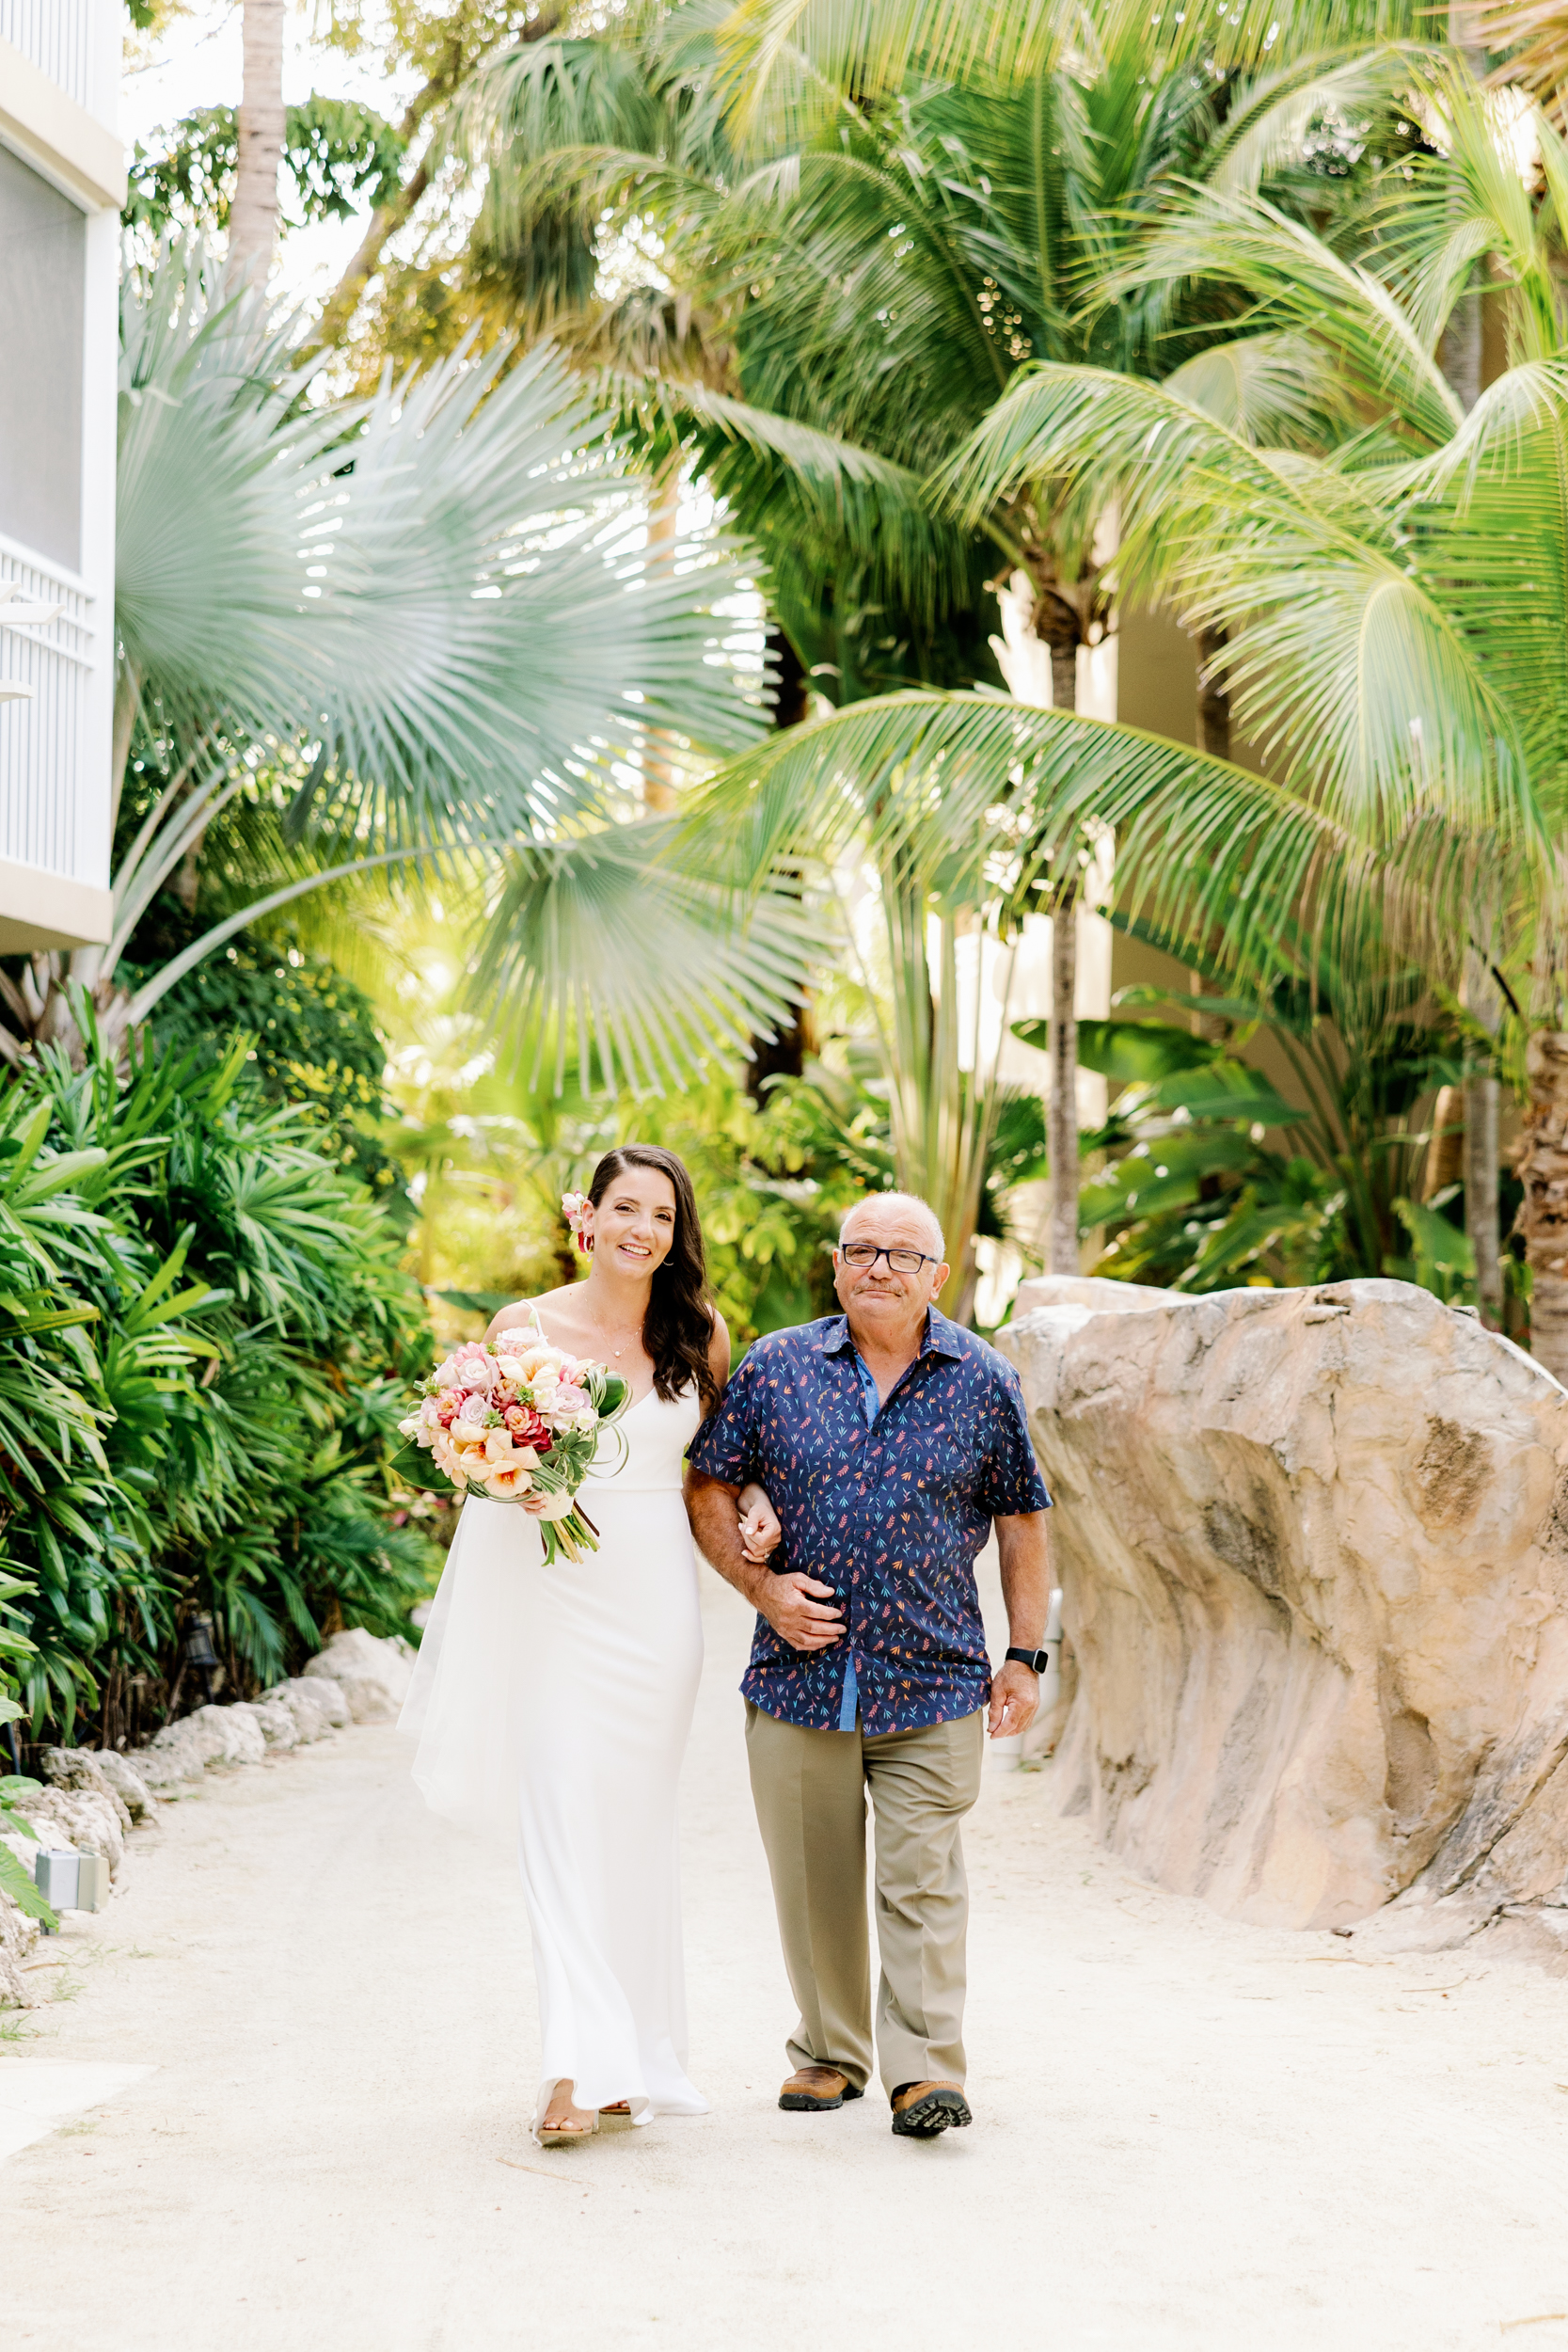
(1188, 2134)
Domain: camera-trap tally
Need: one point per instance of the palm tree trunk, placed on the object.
(661, 771)
(1446, 1152)
(1214, 738)
(1460, 357)
(1482, 1106)
(1213, 695)
(253, 218)
(1062, 1112)
(1062, 1037)
(783, 1055)
(1483, 1102)
(1543, 1165)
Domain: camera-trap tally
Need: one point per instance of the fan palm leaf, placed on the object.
(632, 953)
(429, 580)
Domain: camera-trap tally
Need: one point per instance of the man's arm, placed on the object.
(1015, 1690)
(787, 1602)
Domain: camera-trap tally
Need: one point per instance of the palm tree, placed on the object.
(410, 626)
(253, 221)
(1389, 603)
(867, 229)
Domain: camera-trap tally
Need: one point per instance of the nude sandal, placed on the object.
(617, 2119)
(564, 2135)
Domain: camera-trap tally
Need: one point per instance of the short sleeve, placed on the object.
(1010, 1482)
(725, 1446)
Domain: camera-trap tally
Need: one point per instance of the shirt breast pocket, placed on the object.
(935, 1447)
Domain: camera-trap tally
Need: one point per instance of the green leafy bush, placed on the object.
(204, 1337)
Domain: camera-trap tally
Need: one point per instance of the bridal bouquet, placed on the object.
(518, 1418)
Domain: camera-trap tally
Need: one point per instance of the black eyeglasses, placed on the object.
(861, 1254)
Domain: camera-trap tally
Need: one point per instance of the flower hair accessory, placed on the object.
(574, 1207)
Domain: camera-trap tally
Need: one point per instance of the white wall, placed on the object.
(59, 66)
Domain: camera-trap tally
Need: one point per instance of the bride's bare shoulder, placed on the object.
(522, 1309)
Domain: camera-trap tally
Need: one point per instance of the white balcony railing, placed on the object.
(45, 778)
(66, 40)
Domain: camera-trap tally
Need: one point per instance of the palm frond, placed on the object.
(1201, 845)
(1268, 120)
(1277, 392)
(632, 953)
(1300, 282)
(437, 584)
(1344, 660)
(1537, 33)
(801, 488)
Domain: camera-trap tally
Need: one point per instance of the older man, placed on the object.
(890, 1440)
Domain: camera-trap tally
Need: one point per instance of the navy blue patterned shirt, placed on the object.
(890, 1511)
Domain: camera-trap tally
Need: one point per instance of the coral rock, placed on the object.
(312, 1712)
(275, 1722)
(170, 1769)
(1313, 1548)
(128, 1784)
(80, 1817)
(203, 1741)
(18, 1936)
(373, 1675)
(243, 1739)
(80, 1767)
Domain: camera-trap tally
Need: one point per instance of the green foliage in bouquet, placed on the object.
(203, 1332)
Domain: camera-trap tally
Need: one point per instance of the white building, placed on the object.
(62, 183)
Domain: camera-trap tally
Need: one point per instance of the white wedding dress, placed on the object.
(552, 1704)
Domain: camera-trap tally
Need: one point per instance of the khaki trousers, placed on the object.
(811, 1789)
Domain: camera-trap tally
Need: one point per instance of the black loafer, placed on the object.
(939, 2107)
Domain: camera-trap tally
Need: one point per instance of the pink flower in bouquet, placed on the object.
(528, 1428)
(486, 1419)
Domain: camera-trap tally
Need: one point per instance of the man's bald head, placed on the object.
(887, 1306)
(904, 1209)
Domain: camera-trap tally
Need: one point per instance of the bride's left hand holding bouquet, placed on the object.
(518, 1421)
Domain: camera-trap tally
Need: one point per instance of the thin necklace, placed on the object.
(633, 1332)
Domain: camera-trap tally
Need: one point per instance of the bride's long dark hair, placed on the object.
(678, 1326)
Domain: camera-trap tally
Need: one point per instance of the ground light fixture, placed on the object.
(69, 1881)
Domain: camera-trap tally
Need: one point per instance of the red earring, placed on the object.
(585, 1242)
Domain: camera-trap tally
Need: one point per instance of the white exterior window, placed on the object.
(62, 183)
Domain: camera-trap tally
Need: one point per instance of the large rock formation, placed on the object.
(1314, 1552)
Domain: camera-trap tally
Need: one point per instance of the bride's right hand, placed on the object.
(760, 1531)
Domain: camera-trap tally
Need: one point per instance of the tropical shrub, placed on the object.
(207, 1334)
(311, 1039)
(1213, 1177)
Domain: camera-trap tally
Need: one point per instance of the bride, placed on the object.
(555, 1700)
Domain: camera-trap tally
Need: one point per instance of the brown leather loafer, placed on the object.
(813, 2090)
(920, 2110)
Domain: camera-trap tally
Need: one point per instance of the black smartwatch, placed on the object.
(1036, 1660)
